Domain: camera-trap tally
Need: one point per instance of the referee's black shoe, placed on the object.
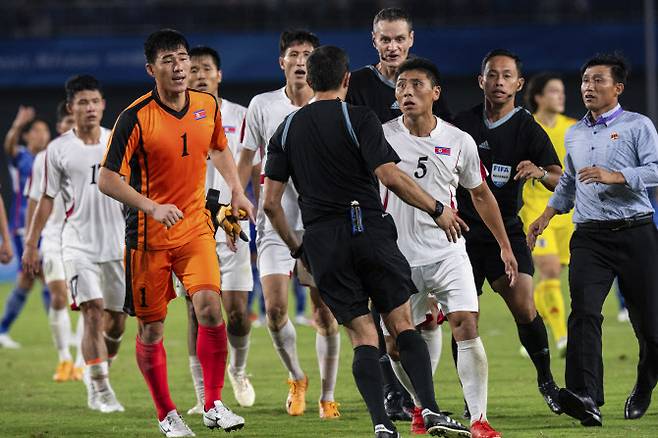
(549, 390)
(580, 407)
(637, 404)
(394, 407)
(438, 424)
(382, 432)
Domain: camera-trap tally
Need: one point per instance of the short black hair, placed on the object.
(207, 51)
(62, 111)
(619, 68)
(326, 67)
(502, 52)
(79, 83)
(422, 64)
(296, 36)
(163, 39)
(28, 126)
(535, 88)
(392, 14)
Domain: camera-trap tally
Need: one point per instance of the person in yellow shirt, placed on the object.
(545, 99)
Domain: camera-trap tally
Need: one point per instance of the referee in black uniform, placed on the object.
(334, 153)
(374, 86)
(513, 148)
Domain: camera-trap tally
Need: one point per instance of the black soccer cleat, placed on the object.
(393, 404)
(442, 425)
(382, 432)
(549, 390)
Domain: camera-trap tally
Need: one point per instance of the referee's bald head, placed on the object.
(326, 68)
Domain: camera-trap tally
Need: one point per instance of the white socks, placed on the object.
(60, 327)
(473, 371)
(79, 330)
(434, 340)
(99, 374)
(328, 352)
(404, 379)
(285, 343)
(238, 347)
(197, 379)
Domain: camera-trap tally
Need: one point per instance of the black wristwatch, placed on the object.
(438, 210)
(298, 252)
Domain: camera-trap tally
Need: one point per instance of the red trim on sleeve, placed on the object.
(385, 202)
(483, 171)
(242, 129)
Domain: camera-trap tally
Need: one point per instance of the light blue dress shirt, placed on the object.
(618, 141)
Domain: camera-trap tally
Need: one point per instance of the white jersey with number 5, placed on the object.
(265, 113)
(438, 163)
(51, 236)
(94, 226)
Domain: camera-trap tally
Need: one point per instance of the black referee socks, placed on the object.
(535, 340)
(365, 367)
(416, 362)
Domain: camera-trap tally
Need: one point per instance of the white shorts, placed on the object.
(273, 254)
(91, 281)
(234, 267)
(274, 258)
(449, 281)
(53, 267)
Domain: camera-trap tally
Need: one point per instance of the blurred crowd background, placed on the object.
(43, 42)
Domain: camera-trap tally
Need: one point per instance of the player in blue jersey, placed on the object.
(27, 136)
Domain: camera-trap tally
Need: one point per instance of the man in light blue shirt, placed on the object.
(612, 158)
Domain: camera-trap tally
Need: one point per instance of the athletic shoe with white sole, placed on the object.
(108, 402)
(222, 417)
(438, 424)
(173, 425)
(197, 409)
(243, 390)
(7, 342)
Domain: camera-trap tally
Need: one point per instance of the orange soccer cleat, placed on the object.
(296, 401)
(329, 410)
(63, 371)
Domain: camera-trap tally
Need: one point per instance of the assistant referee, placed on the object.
(334, 153)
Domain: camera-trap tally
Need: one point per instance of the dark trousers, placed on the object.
(597, 256)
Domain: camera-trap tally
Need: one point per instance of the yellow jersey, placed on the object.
(535, 195)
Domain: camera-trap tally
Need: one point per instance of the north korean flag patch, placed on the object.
(229, 129)
(200, 114)
(439, 150)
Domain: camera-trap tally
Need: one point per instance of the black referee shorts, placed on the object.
(349, 270)
(484, 253)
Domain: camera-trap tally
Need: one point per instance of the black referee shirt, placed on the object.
(369, 88)
(502, 145)
(330, 158)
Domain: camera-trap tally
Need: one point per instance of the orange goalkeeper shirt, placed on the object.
(162, 153)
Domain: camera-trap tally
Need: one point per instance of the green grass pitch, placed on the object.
(32, 405)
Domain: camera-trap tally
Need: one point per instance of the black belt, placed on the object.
(621, 224)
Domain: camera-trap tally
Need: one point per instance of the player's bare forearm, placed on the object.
(404, 187)
(487, 207)
(29, 212)
(111, 184)
(272, 206)
(224, 163)
(245, 166)
(11, 140)
(552, 177)
(41, 214)
(4, 223)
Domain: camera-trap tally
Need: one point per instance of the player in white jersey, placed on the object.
(275, 264)
(440, 157)
(52, 266)
(234, 257)
(92, 236)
